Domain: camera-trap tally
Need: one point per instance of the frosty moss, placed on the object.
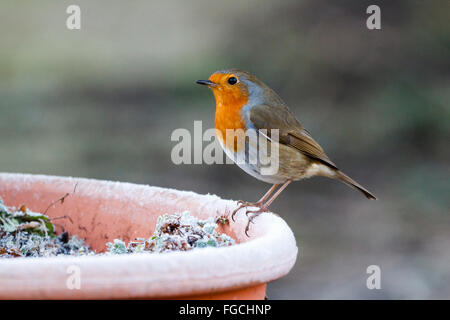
(24, 233)
(177, 232)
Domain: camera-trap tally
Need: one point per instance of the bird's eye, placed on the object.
(232, 80)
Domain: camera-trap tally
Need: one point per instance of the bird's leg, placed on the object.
(243, 204)
(269, 202)
(264, 207)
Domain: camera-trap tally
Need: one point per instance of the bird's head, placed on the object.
(235, 87)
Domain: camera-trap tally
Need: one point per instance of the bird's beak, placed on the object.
(208, 83)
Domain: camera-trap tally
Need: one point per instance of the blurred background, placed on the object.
(103, 101)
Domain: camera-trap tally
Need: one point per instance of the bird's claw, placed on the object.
(255, 214)
(247, 227)
(242, 204)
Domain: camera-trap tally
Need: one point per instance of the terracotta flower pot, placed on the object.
(101, 211)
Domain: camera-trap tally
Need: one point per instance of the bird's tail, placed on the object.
(346, 179)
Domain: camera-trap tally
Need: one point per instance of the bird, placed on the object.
(243, 102)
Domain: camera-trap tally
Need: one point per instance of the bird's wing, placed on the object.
(291, 132)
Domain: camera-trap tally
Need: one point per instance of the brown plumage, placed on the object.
(293, 134)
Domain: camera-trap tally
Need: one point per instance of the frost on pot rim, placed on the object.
(101, 211)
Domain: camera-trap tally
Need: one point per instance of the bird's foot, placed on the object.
(245, 204)
(255, 213)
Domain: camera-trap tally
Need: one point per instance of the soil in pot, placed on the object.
(24, 233)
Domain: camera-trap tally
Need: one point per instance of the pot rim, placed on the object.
(268, 254)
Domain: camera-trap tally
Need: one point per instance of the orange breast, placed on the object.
(228, 115)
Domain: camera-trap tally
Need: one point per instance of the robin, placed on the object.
(244, 102)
